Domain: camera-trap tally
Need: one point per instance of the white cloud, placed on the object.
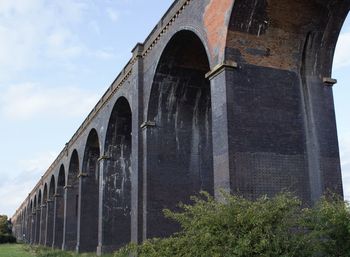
(31, 33)
(342, 53)
(112, 14)
(95, 27)
(59, 37)
(9, 6)
(14, 194)
(28, 101)
(69, 11)
(39, 163)
(16, 189)
(61, 43)
(48, 33)
(104, 54)
(17, 49)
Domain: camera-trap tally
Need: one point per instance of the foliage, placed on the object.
(6, 238)
(328, 224)
(235, 226)
(41, 251)
(4, 225)
(6, 230)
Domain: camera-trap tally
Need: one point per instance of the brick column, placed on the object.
(42, 225)
(37, 225)
(49, 223)
(70, 220)
(58, 221)
(221, 99)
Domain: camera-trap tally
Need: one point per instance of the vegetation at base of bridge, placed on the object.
(271, 227)
(23, 250)
(13, 250)
(6, 230)
(40, 251)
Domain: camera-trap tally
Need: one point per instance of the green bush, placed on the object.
(5, 225)
(270, 227)
(6, 238)
(42, 251)
(6, 230)
(328, 225)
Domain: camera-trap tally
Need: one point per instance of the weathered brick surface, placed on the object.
(222, 94)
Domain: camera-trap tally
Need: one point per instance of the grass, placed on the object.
(14, 250)
(22, 250)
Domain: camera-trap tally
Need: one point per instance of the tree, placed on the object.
(6, 230)
(4, 225)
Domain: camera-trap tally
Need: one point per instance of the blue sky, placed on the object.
(341, 91)
(58, 57)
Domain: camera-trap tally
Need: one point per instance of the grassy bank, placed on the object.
(14, 250)
(22, 250)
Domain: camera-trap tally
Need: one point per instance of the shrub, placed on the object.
(6, 230)
(42, 251)
(6, 238)
(272, 227)
(328, 225)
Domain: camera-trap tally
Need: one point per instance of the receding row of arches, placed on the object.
(82, 209)
(268, 108)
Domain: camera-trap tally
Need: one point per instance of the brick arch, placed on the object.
(89, 195)
(117, 181)
(38, 217)
(39, 199)
(274, 33)
(59, 209)
(179, 160)
(43, 217)
(50, 212)
(45, 194)
(52, 188)
(34, 203)
(71, 202)
(284, 51)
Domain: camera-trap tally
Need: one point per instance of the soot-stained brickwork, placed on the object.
(222, 95)
(180, 159)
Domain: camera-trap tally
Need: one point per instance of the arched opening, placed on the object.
(38, 219)
(21, 225)
(25, 219)
(59, 209)
(31, 222)
(50, 212)
(24, 224)
(117, 184)
(341, 67)
(34, 220)
(71, 204)
(43, 216)
(89, 196)
(179, 153)
(27, 223)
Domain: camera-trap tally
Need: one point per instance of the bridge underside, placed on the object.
(223, 95)
(282, 104)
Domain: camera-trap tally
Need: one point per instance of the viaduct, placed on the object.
(223, 94)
